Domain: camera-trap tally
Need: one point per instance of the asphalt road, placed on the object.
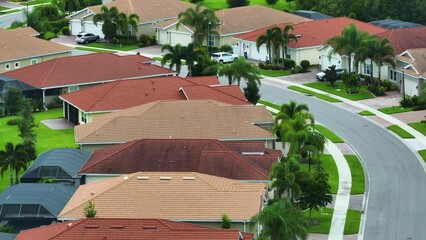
(396, 207)
(8, 19)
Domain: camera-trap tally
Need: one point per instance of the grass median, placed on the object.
(318, 95)
(328, 134)
(117, 47)
(419, 126)
(353, 220)
(423, 154)
(94, 49)
(327, 162)
(357, 174)
(35, 2)
(274, 73)
(366, 113)
(395, 109)
(400, 132)
(339, 89)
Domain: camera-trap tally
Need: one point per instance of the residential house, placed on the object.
(233, 21)
(83, 105)
(130, 229)
(410, 71)
(311, 14)
(192, 119)
(68, 74)
(19, 48)
(149, 12)
(29, 205)
(311, 36)
(59, 164)
(185, 197)
(249, 161)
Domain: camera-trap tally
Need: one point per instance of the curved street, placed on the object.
(397, 181)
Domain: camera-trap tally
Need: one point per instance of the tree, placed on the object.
(251, 92)
(109, 18)
(282, 220)
(12, 101)
(175, 55)
(191, 55)
(226, 222)
(268, 39)
(383, 53)
(348, 42)
(125, 21)
(13, 158)
(237, 3)
(313, 147)
(271, 2)
(89, 210)
(244, 70)
(226, 70)
(351, 82)
(283, 37)
(283, 175)
(289, 111)
(331, 75)
(26, 130)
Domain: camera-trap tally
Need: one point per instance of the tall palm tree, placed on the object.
(226, 70)
(124, 21)
(13, 158)
(191, 55)
(283, 38)
(109, 18)
(348, 42)
(242, 69)
(283, 175)
(201, 19)
(268, 39)
(175, 55)
(282, 220)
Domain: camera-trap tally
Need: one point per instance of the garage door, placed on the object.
(327, 61)
(162, 37)
(411, 86)
(92, 28)
(182, 38)
(75, 27)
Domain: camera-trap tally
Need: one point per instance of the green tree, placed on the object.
(283, 38)
(124, 21)
(174, 55)
(289, 111)
(226, 222)
(109, 19)
(383, 53)
(226, 70)
(191, 55)
(244, 70)
(13, 158)
(26, 130)
(251, 92)
(268, 39)
(271, 2)
(331, 75)
(237, 3)
(283, 175)
(12, 101)
(89, 210)
(313, 147)
(351, 82)
(282, 220)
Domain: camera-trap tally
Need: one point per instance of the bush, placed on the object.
(261, 65)
(296, 69)
(17, 24)
(127, 40)
(389, 86)
(305, 64)
(406, 101)
(65, 31)
(13, 122)
(1, 112)
(415, 100)
(49, 35)
(59, 24)
(278, 61)
(351, 82)
(288, 63)
(237, 3)
(226, 48)
(146, 40)
(366, 78)
(57, 102)
(376, 90)
(420, 107)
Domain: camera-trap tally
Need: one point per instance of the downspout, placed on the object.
(44, 99)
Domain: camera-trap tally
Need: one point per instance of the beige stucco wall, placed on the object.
(98, 178)
(311, 54)
(27, 61)
(93, 147)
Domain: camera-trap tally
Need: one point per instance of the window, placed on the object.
(84, 117)
(33, 61)
(212, 41)
(392, 74)
(7, 66)
(17, 64)
(367, 68)
(73, 88)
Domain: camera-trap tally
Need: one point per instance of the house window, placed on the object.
(73, 88)
(7, 66)
(33, 61)
(367, 68)
(129, 29)
(212, 41)
(84, 117)
(17, 64)
(392, 75)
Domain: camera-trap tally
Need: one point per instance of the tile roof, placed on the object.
(316, 33)
(101, 98)
(416, 58)
(405, 38)
(18, 44)
(85, 69)
(29, 31)
(180, 196)
(129, 229)
(184, 155)
(193, 119)
(148, 10)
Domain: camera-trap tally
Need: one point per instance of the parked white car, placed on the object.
(224, 57)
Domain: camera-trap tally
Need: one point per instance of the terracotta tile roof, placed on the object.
(145, 90)
(129, 229)
(188, 155)
(198, 119)
(148, 10)
(405, 38)
(417, 60)
(169, 195)
(248, 18)
(316, 33)
(85, 69)
(19, 44)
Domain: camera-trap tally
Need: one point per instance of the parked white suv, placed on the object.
(224, 57)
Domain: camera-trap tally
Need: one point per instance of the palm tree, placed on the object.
(242, 69)
(125, 21)
(282, 220)
(175, 55)
(283, 37)
(109, 18)
(268, 39)
(226, 70)
(13, 158)
(191, 55)
(283, 175)
(202, 20)
(348, 42)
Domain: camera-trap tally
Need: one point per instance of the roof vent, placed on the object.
(92, 193)
(69, 224)
(188, 178)
(91, 226)
(234, 132)
(165, 178)
(125, 178)
(149, 227)
(117, 226)
(143, 178)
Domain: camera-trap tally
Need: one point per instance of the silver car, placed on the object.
(85, 37)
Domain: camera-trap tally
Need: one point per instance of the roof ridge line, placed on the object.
(214, 88)
(50, 72)
(68, 228)
(113, 83)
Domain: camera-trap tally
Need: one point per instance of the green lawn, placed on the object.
(353, 220)
(321, 220)
(340, 90)
(46, 138)
(366, 113)
(395, 109)
(34, 2)
(401, 132)
(327, 162)
(274, 73)
(93, 50)
(3, 8)
(318, 95)
(423, 154)
(328, 134)
(419, 126)
(357, 173)
(269, 104)
(111, 46)
(221, 4)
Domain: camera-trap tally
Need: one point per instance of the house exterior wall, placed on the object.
(24, 62)
(325, 60)
(93, 147)
(98, 178)
(234, 225)
(299, 54)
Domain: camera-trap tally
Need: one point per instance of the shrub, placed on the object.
(415, 100)
(1, 112)
(213, 49)
(389, 86)
(288, 63)
(65, 31)
(59, 24)
(13, 122)
(376, 90)
(49, 35)
(261, 65)
(305, 64)
(147, 40)
(296, 69)
(237, 3)
(278, 61)
(366, 78)
(420, 107)
(17, 24)
(226, 48)
(128, 40)
(351, 82)
(57, 102)
(406, 101)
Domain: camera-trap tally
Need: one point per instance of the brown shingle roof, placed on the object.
(198, 119)
(184, 155)
(29, 31)
(129, 229)
(145, 90)
(406, 38)
(417, 59)
(168, 195)
(19, 44)
(85, 69)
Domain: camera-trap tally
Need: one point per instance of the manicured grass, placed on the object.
(419, 126)
(318, 95)
(327, 162)
(357, 173)
(93, 50)
(423, 154)
(269, 104)
(328, 134)
(169, 61)
(353, 219)
(34, 2)
(366, 113)
(113, 46)
(46, 138)
(340, 90)
(395, 109)
(274, 73)
(3, 8)
(401, 132)
(221, 4)
(11, 11)
(321, 219)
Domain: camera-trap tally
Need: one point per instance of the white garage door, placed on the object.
(182, 38)
(92, 28)
(162, 37)
(329, 61)
(411, 87)
(75, 27)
